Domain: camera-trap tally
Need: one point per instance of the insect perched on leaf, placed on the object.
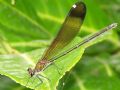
(68, 31)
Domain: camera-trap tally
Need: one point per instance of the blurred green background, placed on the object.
(26, 25)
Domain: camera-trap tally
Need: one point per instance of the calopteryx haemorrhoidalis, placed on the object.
(68, 31)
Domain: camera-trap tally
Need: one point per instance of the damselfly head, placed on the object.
(31, 72)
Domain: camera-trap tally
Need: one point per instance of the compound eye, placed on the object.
(30, 71)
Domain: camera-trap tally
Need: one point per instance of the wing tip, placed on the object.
(78, 10)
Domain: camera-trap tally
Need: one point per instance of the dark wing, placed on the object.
(68, 31)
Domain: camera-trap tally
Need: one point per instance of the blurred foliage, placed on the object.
(28, 25)
(8, 84)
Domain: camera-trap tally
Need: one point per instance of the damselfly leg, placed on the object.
(57, 68)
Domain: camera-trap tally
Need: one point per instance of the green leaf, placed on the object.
(28, 21)
(15, 66)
